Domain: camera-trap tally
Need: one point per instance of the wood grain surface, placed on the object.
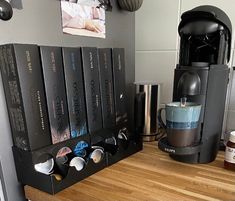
(150, 175)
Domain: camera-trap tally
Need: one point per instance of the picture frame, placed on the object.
(3, 193)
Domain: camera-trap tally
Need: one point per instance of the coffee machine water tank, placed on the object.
(202, 77)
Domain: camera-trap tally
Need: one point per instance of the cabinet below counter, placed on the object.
(150, 175)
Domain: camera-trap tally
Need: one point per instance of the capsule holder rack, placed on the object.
(25, 160)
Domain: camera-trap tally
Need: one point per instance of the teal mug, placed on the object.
(181, 123)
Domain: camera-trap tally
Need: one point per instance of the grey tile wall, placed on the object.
(156, 43)
(230, 121)
(156, 25)
(157, 66)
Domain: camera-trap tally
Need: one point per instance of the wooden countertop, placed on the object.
(150, 175)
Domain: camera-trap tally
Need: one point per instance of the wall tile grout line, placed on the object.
(159, 50)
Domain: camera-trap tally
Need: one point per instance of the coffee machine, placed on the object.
(202, 76)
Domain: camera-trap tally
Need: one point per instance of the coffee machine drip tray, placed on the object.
(189, 150)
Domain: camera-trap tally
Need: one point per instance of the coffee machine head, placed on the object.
(205, 36)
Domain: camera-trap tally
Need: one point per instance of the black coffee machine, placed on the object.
(202, 76)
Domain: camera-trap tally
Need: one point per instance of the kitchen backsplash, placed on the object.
(157, 45)
(230, 122)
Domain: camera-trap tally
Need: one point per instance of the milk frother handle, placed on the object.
(159, 116)
(139, 109)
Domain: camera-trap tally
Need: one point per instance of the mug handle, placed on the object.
(159, 116)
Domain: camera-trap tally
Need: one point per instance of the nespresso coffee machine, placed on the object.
(202, 76)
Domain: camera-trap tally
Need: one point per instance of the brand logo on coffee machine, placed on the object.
(169, 150)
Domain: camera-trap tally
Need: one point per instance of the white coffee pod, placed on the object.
(97, 155)
(97, 147)
(122, 136)
(77, 162)
(46, 167)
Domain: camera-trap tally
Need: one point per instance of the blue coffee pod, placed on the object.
(80, 149)
(81, 153)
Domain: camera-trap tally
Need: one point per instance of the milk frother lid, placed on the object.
(232, 137)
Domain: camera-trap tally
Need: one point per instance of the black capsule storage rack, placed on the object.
(134, 146)
(125, 147)
(25, 160)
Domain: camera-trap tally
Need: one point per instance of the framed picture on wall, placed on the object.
(83, 17)
(3, 196)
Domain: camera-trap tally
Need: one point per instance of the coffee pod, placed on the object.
(77, 162)
(45, 167)
(122, 136)
(81, 149)
(58, 177)
(62, 160)
(62, 166)
(97, 155)
(81, 153)
(97, 147)
(63, 152)
(123, 139)
(111, 140)
(110, 145)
